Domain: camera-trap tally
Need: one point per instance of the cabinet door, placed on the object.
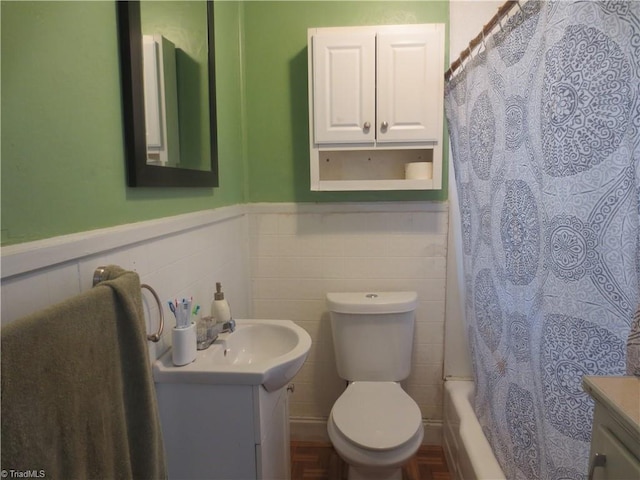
(273, 454)
(620, 463)
(344, 88)
(410, 86)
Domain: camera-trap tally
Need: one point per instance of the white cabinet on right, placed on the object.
(376, 104)
(615, 439)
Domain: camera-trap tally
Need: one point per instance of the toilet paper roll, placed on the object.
(418, 171)
(185, 345)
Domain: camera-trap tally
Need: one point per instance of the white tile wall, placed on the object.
(178, 256)
(298, 253)
(275, 261)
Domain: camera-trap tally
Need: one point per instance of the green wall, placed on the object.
(276, 91)
(62, 153)
(63, 168)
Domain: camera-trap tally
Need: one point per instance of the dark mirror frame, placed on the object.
(139, 174)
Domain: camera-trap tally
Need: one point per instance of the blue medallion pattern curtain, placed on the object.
(544, 124)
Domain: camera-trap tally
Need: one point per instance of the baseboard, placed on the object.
(432, 432)
(306, 429)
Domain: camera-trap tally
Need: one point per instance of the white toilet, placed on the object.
(375, 426)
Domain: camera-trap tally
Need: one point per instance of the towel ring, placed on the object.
(155, 337)
(100, 274)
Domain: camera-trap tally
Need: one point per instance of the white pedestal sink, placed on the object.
(225, 416)
(258, 352)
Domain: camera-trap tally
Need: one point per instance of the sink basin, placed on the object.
(258, 352)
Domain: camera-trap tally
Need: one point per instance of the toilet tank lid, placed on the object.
(372, 302)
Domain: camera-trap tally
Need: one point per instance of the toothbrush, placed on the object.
(184, 315)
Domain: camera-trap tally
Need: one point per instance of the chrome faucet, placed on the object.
(222, 327)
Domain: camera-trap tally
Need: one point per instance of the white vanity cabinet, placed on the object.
(230, 432)
(615, 440)
(376, 104)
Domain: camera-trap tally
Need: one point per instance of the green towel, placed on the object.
(78, 399)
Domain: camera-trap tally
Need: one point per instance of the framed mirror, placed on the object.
(168, 92)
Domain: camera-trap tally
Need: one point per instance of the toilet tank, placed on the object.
(373, 334)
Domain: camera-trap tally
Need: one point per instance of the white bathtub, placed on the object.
(469, 455)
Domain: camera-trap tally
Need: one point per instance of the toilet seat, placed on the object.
(376, 415)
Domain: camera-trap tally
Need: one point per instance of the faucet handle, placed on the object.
(231, 325)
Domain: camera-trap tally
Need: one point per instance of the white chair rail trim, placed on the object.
(31, 256)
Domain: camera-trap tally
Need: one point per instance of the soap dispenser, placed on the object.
(220, 307)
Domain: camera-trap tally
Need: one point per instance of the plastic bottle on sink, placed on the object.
(220, 307)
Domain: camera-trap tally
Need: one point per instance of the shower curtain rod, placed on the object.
(486, 30)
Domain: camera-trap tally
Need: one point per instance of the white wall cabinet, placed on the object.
(344, 77)
(376, 104)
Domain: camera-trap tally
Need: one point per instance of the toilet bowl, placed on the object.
(375, 427)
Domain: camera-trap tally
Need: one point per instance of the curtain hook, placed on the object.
(520, 6)
(484, 44)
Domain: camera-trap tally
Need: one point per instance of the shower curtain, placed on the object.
(544, 124)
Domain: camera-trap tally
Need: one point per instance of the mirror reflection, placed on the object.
(176, 83)
(179, 149)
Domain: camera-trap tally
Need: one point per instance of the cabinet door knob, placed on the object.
(598, 460)
(384, 125)
(367, 125)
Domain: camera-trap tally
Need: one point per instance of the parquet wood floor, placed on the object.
(319, 461)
